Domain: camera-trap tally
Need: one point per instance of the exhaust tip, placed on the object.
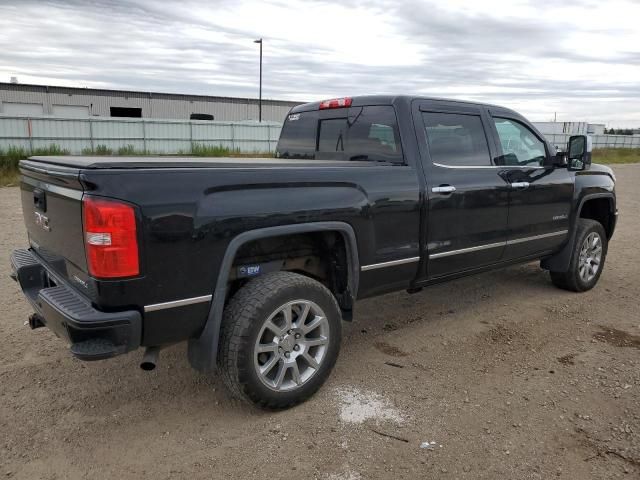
(35, 321)
(147, 366)
(149, 359)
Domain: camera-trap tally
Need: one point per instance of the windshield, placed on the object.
(356, 133)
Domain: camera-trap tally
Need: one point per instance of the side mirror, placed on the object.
(506, 159)
(559, 160)
(579, 152)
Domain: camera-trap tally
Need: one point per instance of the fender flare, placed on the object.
(202, 351)
(560, 261)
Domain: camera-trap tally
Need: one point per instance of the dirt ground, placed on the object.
(496, 376)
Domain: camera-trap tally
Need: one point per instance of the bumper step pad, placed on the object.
(93, 334)
(96, 349)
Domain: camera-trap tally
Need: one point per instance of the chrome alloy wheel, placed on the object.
(291, 345)
(590, 257)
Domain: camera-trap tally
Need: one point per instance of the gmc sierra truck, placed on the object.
(255, 262)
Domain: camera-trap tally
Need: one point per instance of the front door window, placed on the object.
(520, 146)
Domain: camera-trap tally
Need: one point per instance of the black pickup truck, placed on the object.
(255, 262)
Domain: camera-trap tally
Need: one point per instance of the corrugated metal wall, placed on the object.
(554, 128)
(599, 141)
(153, 105)
(150, 135)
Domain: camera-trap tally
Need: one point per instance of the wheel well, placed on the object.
(599, 209)
(322, 256)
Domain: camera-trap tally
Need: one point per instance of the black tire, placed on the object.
(244, 318)
(571, 279)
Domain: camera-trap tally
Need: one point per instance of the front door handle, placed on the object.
(444, 189)
(520, 185)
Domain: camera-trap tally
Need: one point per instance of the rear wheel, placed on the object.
(587, 260)
(280, 339)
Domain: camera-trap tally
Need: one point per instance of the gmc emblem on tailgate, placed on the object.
(42, 221)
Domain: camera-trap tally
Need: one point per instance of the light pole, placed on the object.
(260, 97)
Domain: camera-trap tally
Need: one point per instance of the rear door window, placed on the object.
(364, 133)
(456, 139)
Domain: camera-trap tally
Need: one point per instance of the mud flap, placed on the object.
(560, 261)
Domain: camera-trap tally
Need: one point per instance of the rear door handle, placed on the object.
(444, 189)
(520, 185)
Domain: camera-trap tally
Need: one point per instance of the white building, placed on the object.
(557, 128)
(37, 100)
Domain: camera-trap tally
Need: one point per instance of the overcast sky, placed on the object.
(580, 59)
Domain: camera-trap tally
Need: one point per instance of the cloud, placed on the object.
(577, 58)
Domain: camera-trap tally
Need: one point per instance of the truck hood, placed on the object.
(597, 168)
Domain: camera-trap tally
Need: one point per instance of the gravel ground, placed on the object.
(496, 376)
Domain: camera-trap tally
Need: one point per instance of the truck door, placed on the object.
(467, 199)
(540, 195)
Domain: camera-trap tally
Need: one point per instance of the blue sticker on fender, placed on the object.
(249, 270)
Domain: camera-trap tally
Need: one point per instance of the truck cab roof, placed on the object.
(361, 100)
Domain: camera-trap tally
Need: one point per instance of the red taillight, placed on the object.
(111, 242)
(336, 103)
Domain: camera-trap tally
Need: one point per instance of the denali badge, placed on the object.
(43, 221)
(81, 282)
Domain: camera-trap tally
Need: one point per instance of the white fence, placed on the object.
(177, 136)
(144, 135)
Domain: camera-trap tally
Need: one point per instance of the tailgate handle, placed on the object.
(39, 199)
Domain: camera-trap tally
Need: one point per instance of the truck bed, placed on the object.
(97, 163)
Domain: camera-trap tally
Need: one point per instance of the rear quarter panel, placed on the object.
(190, 216)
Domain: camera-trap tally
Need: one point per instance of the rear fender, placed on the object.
(203, 350)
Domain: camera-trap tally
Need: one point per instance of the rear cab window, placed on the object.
(367, 133)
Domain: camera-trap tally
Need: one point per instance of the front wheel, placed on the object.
(280, 339)
(587, 260)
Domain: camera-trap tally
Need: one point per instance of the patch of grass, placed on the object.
(616, 155)
(99, 150)
(9, 164)
(12, 154)
(102, 150)
(9, 160)
(52, 149)
(129, 150)
(205, 150)
(125, 151)
(9, 178)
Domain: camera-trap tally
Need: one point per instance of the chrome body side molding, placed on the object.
(392, 263)
(496, 245)
(177, 303)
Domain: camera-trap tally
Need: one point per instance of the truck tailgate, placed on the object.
(52, 209)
